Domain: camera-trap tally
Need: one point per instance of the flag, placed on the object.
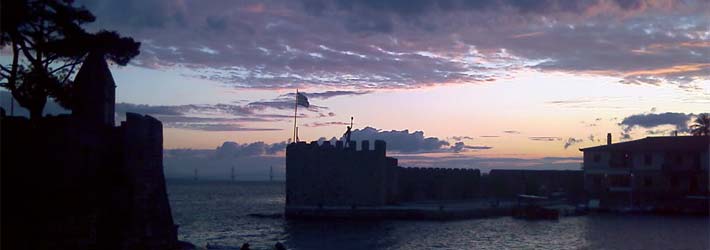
(302, 100)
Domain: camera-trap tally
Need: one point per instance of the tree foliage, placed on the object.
(47, 43)
(701, 126)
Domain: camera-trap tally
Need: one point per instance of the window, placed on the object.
(619, 180)
(628, 162)
(597, 180)
(647, 159)
(693, 185)
(597, 157)
(647, 182)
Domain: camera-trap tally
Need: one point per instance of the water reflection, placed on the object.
(217, 213)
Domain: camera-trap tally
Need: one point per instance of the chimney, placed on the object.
(608, 138)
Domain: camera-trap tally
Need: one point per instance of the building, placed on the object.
(660, 173)
(79, 181)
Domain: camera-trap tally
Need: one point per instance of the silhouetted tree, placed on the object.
(701, 126)
(47, 43)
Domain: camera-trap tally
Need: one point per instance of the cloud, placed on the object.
(401, 140)
(220, 127)
(370, 45)
(328, 94)
(624, 136)
(150, 109)
(414, 9)
(658, 132)
(461, 138)
(651, 120)
(282, 104)
(544, 138)
(235, 150)
(591, 138)
(460, 146)
(571, 141)
(325, 124)
(217, 117)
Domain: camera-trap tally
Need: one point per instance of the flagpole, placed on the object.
(295, 113)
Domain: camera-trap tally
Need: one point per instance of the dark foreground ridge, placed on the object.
(80, 182)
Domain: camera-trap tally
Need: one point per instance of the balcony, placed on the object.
(671, 168)
(620, 163)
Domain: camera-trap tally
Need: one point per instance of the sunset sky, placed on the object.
(511, 80)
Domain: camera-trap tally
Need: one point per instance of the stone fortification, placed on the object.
(334, 175)
(431, 184)
(80, 182)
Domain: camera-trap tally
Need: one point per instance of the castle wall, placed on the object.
(66, 185)
(149, 222)
(431, 184)
(327, 175)
(47, 166)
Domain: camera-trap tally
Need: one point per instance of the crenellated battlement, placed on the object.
(323, 174)
(380, 146)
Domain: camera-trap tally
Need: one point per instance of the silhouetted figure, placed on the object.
(271, 173)
(245, 246)
(279, 246)
(347, 136)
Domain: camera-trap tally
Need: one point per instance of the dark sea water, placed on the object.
(218, 213)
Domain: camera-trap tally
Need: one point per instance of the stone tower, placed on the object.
(95, 92)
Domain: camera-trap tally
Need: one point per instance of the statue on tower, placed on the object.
(348, 132)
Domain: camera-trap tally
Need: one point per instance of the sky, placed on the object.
(451, 83)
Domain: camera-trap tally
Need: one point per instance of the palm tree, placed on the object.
(701, 126)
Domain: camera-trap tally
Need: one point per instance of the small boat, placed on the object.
(529, 208)
(535, 213)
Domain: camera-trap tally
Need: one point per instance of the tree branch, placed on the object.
(72, 64)
(3, 68)
(66, 77)
(26, 53)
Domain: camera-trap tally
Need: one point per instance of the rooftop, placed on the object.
(660, 143)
